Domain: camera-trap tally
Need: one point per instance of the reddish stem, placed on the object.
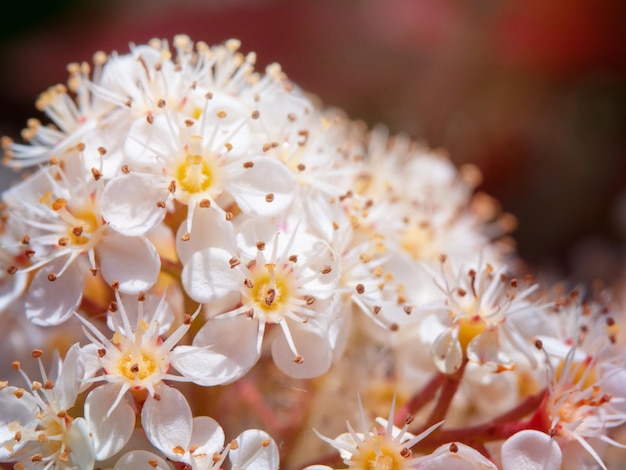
(420, 399)
(448, 390)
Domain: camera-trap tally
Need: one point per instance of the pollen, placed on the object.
(137, 365)
(194, 174)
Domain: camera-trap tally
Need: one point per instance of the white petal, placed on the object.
(208, 277)
(485, 348)
(463, 458)
(531, 450)
(311, 343)
(251, 187)
(167, 421)
(141, 460)
(446, 353)
(256, 451)
(128, 203)
(52, 302)
(78, 438)
(232, 351)
(155, 309)
(23, 412)
(110, 430)
(209, 229)
(68, 382)
(208, 436)
(131, 261)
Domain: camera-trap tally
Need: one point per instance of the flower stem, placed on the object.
(448, 390)
(420, 399)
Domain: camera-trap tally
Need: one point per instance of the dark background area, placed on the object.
(532, 91)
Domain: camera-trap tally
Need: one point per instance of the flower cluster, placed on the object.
(199, 238)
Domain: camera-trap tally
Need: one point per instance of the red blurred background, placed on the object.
(532, 91)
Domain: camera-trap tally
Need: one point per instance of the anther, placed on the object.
(37, 353)
(234, 262)
(204, 203)
(150, 118)
(293, 258)
(255, 115)
(160, 204)
(360, 288)
(97, 174)
(185, 237)
(270, 297)
(248, 164)
(454, 448)
(260, 246)
(221, 114)
(269, 197)
(188, 122)
(141, 296)
(125, 169)
(298, 359)
(12, 269)
(52, 277)
(187, 319)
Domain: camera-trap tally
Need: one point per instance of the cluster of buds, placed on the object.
(203, 244)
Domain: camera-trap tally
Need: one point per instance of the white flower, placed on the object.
(63, 223)
(291, 282)
(35, 426)
(531, 450)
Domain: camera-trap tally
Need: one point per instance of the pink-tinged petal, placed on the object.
(131, 261)
(145, 141)
(16, 413)
(232, 353)
(531, 450)
(141, 460)
(256, 451)
(210, 229)
(78, 438)
(266, 189)
(312, 345)
(111, 428)
(208, 436)
(167, 421)
(129, 203)
(446, 353)
(208, 275)
(456, 456)
(51, 303)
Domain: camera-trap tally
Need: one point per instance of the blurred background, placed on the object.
(532, 91)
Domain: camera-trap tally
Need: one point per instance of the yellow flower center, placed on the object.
(88, 224)
(378, 454)
(137, 365)
(194, 174)
(269, 290)
(577, 373)
(469, 328)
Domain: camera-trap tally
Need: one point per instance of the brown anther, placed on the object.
(248, 164)
(48, 385)
(405, 453)
(154, 463)
(255, 114)
(291, 117)
(12, 269)
(208, 95)
(610, 321)
(36, 458)
(443, 258)
(408, 419)
(125, 169)
(293, 258)
(16, 365)
(18, 436)
(408, 309)
(377, 309)
(178, 450)
(233, 262)
(266, 443)
(233, 445)
(394, 327)
(228, 216)
(188, 122)
(128, 103)
(454, 448)
(25, 240)
(80, 147)
(141, 296)
(248, 283)
(134, 368)
(249, 313)
(63, 241)
(19, 393)
(94, 271)
(309, 299)
(157, 397)
(228, 146)
(221, 114)
(266, 147)
(513, 283)
(77, 231)
(102, 352)
(37, 353)
(172, 187)
(150, 118)
(97, 174)
(326, 269)
(301, 167)
(193, 448)
(539, 344)
(270, 297)
(461, 292)
(269, 197)
(187, 319)
(360, 288)
(113, 306)
(185, 237)
(62, 414)
(52, 277)
(204, 203)
(102, 151)
(260, 246)
(365, 257)
(161, 103)
(160, 204)
(298, 359)
(216, 457)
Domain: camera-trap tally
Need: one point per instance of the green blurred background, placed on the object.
(532, 91)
